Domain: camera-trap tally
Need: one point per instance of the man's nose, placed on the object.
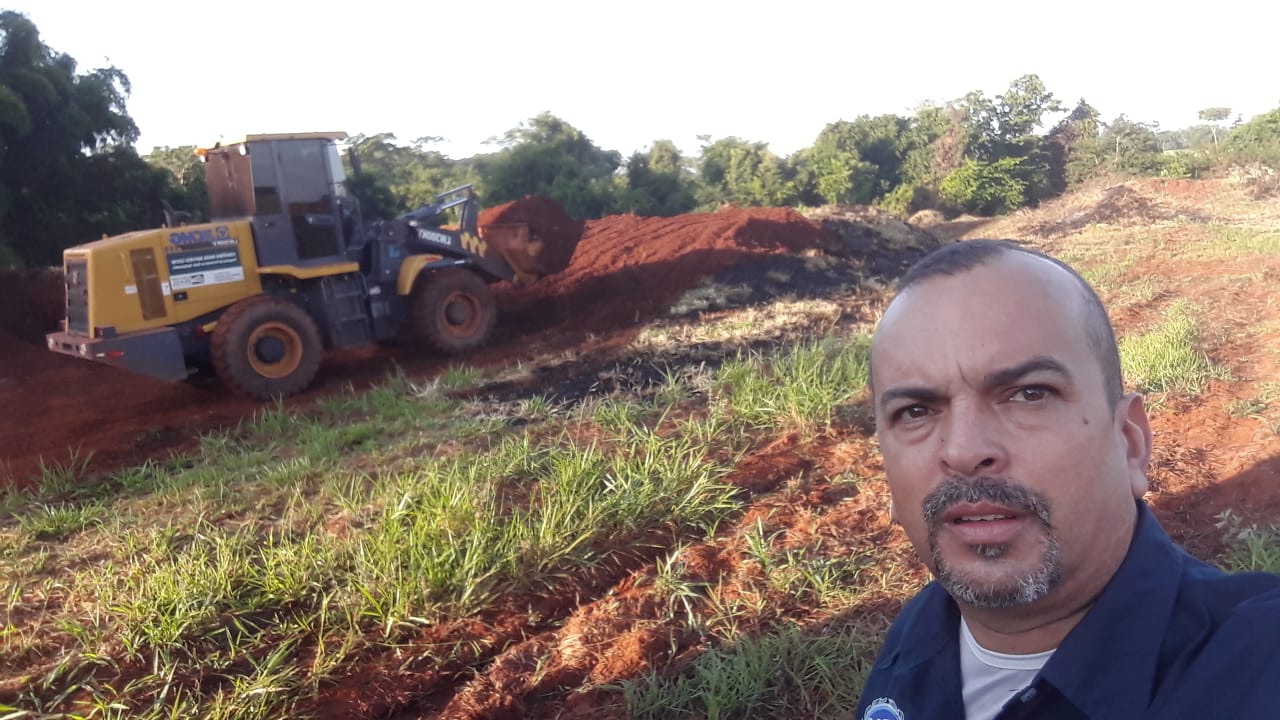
(971, 442)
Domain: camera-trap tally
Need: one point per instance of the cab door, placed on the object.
(308, 198)
(296, 214)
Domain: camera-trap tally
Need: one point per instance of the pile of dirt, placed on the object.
(927, 218)
(1129, 204)
(552, 233)
(630, 268)
(885, 245)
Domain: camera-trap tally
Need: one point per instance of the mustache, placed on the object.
(956, 490)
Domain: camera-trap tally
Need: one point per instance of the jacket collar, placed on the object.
(1126, 625)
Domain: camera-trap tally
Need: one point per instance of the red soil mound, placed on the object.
(629, 268)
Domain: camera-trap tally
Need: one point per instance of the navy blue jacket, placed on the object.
(1169, 637)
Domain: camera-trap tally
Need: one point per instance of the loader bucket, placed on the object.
(519, 248)
(533, 235)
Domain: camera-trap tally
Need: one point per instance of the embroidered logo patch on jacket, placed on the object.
(883, 709)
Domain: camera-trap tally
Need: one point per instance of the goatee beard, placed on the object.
(1009, 592)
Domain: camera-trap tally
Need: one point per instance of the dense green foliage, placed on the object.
(1257, 140)
(985, 188)
(392, 179)
(548, 156)
(743, 173)
(657, 182)
(69, 172)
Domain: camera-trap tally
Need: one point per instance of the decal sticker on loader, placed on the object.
(473, 244)
(435, 237)
(202, 238)
(206, 267)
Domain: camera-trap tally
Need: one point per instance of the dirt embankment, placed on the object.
(629, 269)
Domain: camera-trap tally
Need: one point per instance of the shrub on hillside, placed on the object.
(1184, 164)
(906, 199)
(1256, 141)
(984, 188)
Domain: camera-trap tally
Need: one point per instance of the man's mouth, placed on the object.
(982, 518)
(983, 512)
(983, 523)
(971, 512)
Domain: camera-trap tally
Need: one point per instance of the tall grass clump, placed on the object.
(796, 388)
(1168, 358)
(1250, 548)
(463, 530)
(789, 673)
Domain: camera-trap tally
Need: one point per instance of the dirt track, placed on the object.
(626, 270)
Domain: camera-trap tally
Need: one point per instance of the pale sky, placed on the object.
(627, 74)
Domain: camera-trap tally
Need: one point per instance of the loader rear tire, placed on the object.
(266, 347)
(454, 310)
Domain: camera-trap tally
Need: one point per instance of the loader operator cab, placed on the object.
(293, 188)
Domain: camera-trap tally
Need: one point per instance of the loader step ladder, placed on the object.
(346, 318)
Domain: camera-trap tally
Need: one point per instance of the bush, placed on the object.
(906, 200)
(984, 188)
(1184, 164)
(1256, 141)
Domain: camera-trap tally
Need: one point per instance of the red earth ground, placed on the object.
(553, 654)
(626, 270)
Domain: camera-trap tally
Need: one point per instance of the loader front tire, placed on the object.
(453, 310)
(266, 347)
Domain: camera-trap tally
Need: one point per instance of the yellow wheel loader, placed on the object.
(286, 269)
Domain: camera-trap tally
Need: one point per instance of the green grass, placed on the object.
(59, 480)
(350, 527)
(242, 579)
(1167, 358)
(463, 532)
(1250, 548)
(1259, 551)
(61, 520)
(1142, 290)
(1228, 241)
(1102, 271)
(791, 673)
(798, 389)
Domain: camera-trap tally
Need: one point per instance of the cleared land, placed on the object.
(658, 493)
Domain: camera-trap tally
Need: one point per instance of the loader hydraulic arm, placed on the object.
(461, 195)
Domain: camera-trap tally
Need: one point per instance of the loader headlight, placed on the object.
(84, 350)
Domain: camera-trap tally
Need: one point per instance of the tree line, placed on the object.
(69, 172)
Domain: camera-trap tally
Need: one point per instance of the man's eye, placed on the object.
(1031, 393)
(911, 412)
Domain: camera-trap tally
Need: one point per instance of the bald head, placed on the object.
(957, 259)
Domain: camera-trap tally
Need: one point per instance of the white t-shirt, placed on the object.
(990, 679)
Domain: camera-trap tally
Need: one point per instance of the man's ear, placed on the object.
(1135, 432)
